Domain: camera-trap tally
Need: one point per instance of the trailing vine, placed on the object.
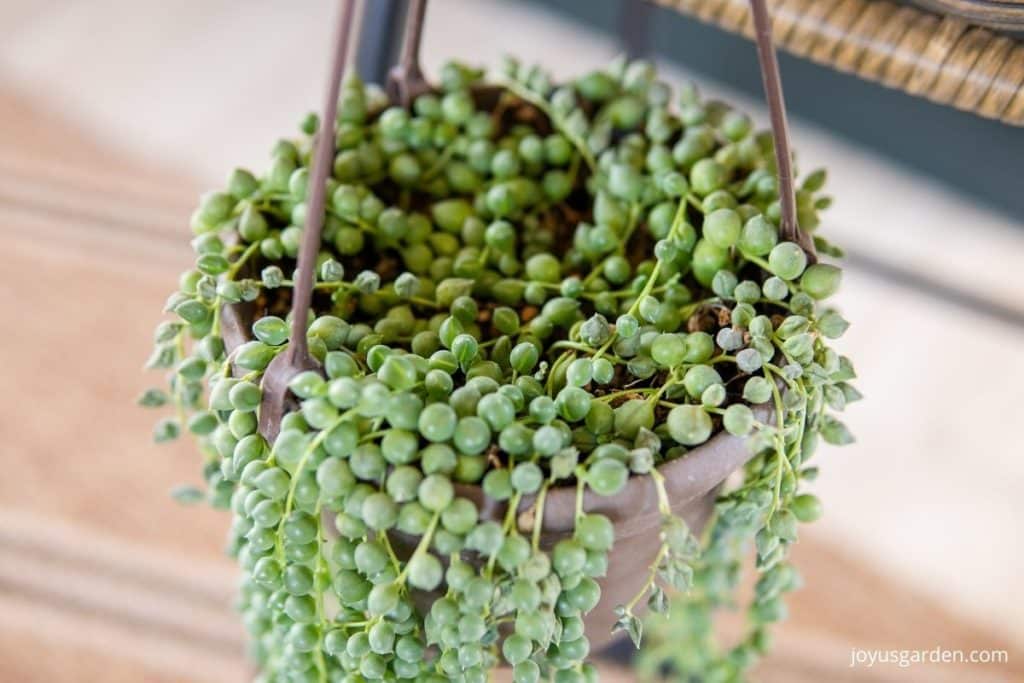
(520, 289)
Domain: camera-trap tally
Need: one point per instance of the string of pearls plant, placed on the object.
(541, 287)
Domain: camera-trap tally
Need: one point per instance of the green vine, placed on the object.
(556, 295)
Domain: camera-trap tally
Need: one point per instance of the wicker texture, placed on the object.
(1004, 14)
(945, 59)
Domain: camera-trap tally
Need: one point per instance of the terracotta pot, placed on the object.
(692, 481)
(692, 484)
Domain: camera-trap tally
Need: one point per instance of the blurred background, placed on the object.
(115, 114)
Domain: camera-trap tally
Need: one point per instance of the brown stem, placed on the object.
(769, 63)
(413, 36)
(276, 399)
(406, 81)
(323, 157)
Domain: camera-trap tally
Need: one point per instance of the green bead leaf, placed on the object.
(629, 624)
(152, 398)
(835, 432)
(187, 495)
(166, 430)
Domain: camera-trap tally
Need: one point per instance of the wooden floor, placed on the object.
(102, 576)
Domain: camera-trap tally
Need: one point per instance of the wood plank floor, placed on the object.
(102, 576)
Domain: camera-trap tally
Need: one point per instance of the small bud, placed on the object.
(331, 271)
(627, 326)
(272, 277)
(749, 360)
(595, 331)
(367, 282)
(406, 285)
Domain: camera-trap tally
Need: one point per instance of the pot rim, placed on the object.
(688, 478)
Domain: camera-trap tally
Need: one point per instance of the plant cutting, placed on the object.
(469, 365)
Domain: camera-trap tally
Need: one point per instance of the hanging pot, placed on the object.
(691, 481)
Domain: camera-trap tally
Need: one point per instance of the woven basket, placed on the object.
(950, 58)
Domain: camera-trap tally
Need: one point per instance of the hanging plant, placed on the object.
(546, 323)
